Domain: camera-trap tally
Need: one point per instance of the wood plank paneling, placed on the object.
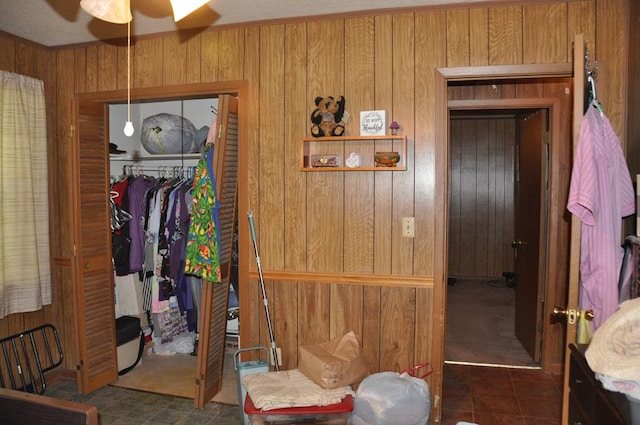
(505, 35)
(231, 61)
(403, 106)
(272, 154)
(478, 37)
(359, 188)
(346, 312)
(250, 292)
(314, 313)
(174, 71)
(8, 57)
(481, 210)
(397, 317)
(91, 69)
(193, 44)
(458, 43)
(148, 60)
(209, 57)
(545, 33)
(61, 238)
(425, 141)
(383, 204)
(296, 122)
(610, 55)
(325, 202)
(312, 222)
(107, 67)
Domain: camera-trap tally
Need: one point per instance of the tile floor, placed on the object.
(121, 406)
(482, 395)
(500, 396)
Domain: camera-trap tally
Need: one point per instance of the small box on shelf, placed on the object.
(325, 160)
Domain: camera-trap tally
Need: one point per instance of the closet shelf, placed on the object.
(152, 157)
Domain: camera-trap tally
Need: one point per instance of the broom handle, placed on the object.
(274, 350)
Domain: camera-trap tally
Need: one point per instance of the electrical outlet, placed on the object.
(408, 230)
(279, 354)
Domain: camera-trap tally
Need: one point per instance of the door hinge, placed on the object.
(220, 130)
(546, 139)
(72, 130)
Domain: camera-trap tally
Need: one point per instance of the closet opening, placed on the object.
(152, 172)
(190, 318)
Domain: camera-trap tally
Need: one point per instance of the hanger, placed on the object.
(595, 100)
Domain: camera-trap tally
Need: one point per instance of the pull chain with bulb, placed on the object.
(128, 126)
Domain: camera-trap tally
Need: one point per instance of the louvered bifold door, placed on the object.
(94, 293)
(215, 295)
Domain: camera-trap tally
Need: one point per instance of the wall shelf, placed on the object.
(342, 147)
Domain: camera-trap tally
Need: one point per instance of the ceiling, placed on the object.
(63, 22)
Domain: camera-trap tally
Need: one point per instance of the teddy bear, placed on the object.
(327, 117)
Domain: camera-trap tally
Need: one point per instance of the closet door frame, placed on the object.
(82, 312)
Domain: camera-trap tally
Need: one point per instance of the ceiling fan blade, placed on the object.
(114, 11)
(182, 8)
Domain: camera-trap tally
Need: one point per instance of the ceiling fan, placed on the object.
(119, 11)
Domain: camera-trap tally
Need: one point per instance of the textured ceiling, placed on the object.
(63, 22)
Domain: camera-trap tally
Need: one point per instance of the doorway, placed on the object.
(494, 155)
(554, 84)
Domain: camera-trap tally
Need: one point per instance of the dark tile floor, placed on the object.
(500, 396)
(121, 406)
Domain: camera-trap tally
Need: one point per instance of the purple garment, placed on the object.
(137, 192)
(600, 194)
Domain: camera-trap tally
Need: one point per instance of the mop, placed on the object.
(274, 351)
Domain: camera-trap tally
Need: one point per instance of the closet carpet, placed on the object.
(480, 325)
(175, 375)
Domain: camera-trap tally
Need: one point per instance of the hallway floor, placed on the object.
(500, 396)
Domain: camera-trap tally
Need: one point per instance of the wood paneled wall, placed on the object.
(317, 228)
(481, 197)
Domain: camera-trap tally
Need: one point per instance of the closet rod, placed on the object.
(163, 171)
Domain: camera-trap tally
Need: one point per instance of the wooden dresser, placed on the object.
(589, 402)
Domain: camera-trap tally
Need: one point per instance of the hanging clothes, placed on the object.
(138, 190)
(202, 256)
(600, 194)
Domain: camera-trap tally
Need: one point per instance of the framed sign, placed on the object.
(373, 123)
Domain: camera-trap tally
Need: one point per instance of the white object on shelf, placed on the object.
(353, 161)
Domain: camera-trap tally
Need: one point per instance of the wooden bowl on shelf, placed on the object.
(387, 159)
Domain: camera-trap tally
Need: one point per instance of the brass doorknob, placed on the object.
(570, 315)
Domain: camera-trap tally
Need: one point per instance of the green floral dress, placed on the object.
(202, 254)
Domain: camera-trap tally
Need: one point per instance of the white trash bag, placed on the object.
(391, 398)
(168, 134)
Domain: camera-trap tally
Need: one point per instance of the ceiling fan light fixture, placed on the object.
(114, 11)
(182, 8)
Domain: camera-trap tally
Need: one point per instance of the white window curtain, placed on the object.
(25, 270)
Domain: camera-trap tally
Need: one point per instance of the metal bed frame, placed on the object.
(27, 356)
